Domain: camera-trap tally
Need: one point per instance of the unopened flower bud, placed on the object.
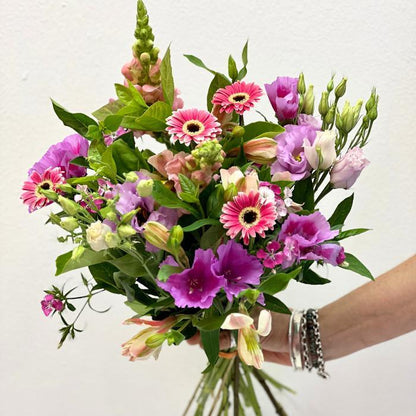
(371, 101)
(69, 206)
(301, 84)
(330, 85)
(238, 132)
(208, 153)
(309, 103)
(77, 253)
(145, 187)
(156, 340)
(149, 44)
(131, 177)
(126, 231)
(175, 239)
(51, 195)
(330, 116)
(112, 240)
(126, 218)
(69, 224)
(65, 187)
(324, 104)
(230, 192)
(262, 150)
(341, 88)
(145, 58)
(373, 114)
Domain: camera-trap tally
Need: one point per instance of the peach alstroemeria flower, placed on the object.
(136, 347)
(248, 347)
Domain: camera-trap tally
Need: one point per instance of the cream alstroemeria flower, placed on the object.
(249, 349)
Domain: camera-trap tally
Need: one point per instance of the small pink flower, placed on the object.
(51, 304)
(48, 181)
(271, 257)
(192, 126)
(248, 215)
(238, 97)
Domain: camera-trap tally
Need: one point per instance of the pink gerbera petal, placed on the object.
(246, 214)
(192, 126)
(48, 180)
(238, 97)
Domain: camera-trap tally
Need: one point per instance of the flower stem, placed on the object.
(193, 396)
(236, 386)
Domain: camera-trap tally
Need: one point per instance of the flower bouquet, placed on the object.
(201, 236)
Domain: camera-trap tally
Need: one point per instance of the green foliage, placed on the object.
(166, 271)
(244, 57)
(211, 344)
(167, 79)
(311, 278)
(107, 110)
(352, 263)
(198, 62)
(201, 223)
(77, 121)
(219, 81)
(215, 202)
(351, 233)
(303, 194)
(263, 129)
(278, 282)
(211, 237)
(153, 119)
(232, 69)
(126, 158)
(65, 262)
(341, 211)
(275, 305)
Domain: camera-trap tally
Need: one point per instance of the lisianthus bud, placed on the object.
(69, 206)
(262, 150)
(324, 104)
(96, 233)
(238, 131)
(371, 102)
(69, 224)
(309, 103)
(77, 253)
(126, 231)
(301, 84)
(341, 88)
(112, 240)
(329, 118)
(330, 85)
(321, 154)
(131, 177)
(372, 114)
(145, 187)
(349, 116)
(346, 170)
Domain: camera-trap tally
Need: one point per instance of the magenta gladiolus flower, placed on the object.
(291, 163)
(51, 304)
(302, 236)
(347, 170)
(238, 268)
(60, 155)
(284, 98)
(195, 287)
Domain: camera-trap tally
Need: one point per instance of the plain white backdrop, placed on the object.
(72, 51)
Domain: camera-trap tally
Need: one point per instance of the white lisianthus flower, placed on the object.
(321, 154)
(96, 233)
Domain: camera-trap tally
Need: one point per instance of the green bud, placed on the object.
(301, 84)
(330, 85)
(309, 103)
(324, 104)
(154, 53)
(156, 340)
(371, 101)
(126, 218)
(51, 195)
(250, 294)
(65, 187)
(145, 188)
(55, 219)
(341, 88)
(69, 224)
(339, 123)
(68, 205)
(143, 33)
(373, 114)
(149, 44)
(77, 253)
(230, 192)
(126, 231)
(238, 132)
(365, 121)
(208, 153)
(112, 240)
(131, 177)
(330, 117)
(175, 239)
(145, 58)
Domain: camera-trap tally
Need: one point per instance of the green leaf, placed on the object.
(187, 185)
(211, 344)
(212, 236)
(219, 81)
(112, 122)
(80, 161)
(215, 202)
(125, 158)
(107, 110)
(153, 119)
(94, 133)
(277, 282)
(65, 263)
(168, 199)
(275, 305)
(303, 194)
(232, 69)
(341, 212)
(258, 128)
(198, 62)
(350, 233)
(167, 78)
(352, 263)
(210, 323)
(188, 197)
(244, 54)
(129, 95)
(201, 223)
(77, 121)
(175, 337)
(166, 271)
(108, 166)
(309, 277)
(138, 307)
(85, 180)
(129, 265)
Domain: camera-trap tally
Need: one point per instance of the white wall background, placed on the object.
(72, 51)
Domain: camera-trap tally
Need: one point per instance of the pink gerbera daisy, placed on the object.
(32, 195)
(192, 125)
(238, 97)
(246, 213)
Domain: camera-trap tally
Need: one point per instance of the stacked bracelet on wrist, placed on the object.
(305, 342)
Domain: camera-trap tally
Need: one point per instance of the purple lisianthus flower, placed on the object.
(238, 268)
(308, 120)
(284, 98)
(60, 155)
(195, 287)
(302, 236)
(291, 163)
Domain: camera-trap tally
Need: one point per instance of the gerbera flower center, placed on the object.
(193, 127)
(45, 185)
(249, 217)
(239, 97)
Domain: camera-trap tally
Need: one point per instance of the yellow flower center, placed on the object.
(298, 158)
(46, 186)
(193, 127)
(249, 217)
(239, 98)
